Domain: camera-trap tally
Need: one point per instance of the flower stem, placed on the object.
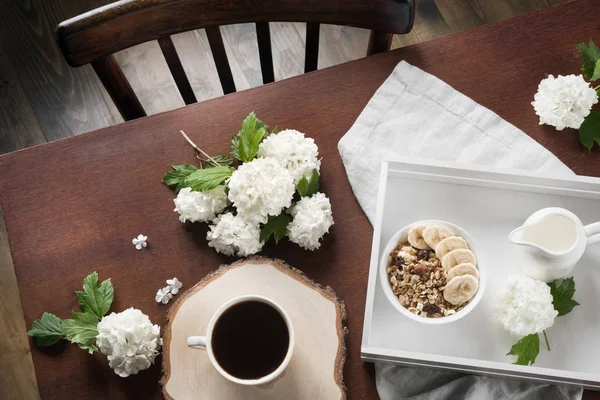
(597, 87)
(198, 149)
(547, 343)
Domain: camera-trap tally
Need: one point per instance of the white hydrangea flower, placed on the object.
(140, 242)
(129, 340)
(296, 153)
(174, 285)
(564, 102)
(200, 206)
(260, 188)
(231, 235)
(312, 220)
(526, 306)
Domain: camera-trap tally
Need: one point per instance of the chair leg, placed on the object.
(379, 42)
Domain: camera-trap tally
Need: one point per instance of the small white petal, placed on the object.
(140, 241)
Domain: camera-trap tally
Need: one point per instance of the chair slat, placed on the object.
(263, 36)
(379, 42)
(215, 40)
(118, 87)
(174, 63)
(87, 37)
(311, 56)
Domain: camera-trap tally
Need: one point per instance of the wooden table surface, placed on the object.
(72, 206)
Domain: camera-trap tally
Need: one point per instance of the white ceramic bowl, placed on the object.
(401, 236)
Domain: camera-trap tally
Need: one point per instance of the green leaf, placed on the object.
(208, 179)
(177, 176)
(276, 226)
(526, 349)
(221, 161)
(591, 55)
(275, 131)
(244, 145)
(307, 188)
(47, 330)
(96, 299)
(562, 292)
(82, 330)
(596, 74)
(589, 131)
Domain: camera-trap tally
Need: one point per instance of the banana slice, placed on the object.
(415, 237)
(447, 245)
(455, 257)
(433, 235)
(462, 269)
(460, 289)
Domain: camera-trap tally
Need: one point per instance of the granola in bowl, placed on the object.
(431, 272)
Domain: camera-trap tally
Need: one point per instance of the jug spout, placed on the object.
(517, 236)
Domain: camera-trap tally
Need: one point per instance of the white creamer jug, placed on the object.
(554, 239)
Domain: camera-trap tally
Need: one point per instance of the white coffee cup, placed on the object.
(206, 342)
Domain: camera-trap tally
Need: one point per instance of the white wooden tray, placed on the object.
(488, 204)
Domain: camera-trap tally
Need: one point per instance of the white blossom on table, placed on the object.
(163, 295)
(200, 206)
(564, 101)
(261, 188)
(295, 152)
(312, 219)
(526, 306)
(140, 242)
(174, 285)
(231, 235)
(129, 340)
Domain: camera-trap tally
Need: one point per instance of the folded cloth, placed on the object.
(400, 383)
(414, 114)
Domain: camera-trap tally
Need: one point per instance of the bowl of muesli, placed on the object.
(433, 272)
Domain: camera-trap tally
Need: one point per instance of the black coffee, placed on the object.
(250, 340)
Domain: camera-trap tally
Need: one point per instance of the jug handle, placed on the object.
(593, 232)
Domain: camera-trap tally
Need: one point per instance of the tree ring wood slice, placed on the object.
(319, 320)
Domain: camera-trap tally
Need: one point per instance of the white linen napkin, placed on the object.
(414, 114)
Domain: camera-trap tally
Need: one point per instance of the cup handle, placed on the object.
(197, 342)
(593, 232)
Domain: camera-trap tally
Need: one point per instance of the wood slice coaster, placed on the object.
(319, 321)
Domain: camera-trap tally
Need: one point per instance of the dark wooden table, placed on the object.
(72, 206)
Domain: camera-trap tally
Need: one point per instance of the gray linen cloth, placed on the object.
(414, 114)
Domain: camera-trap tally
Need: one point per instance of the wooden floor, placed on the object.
(43, 99)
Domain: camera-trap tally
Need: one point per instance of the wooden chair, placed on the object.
(94, 36)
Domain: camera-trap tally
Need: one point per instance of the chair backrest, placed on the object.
(95, 36)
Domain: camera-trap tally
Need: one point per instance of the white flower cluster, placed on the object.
(261, 188)
(200, 206)
(312, 220)
(234, 235)
(296, 153)
(164, 295)
(129, 340)
(564, 101)
(526, 306)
